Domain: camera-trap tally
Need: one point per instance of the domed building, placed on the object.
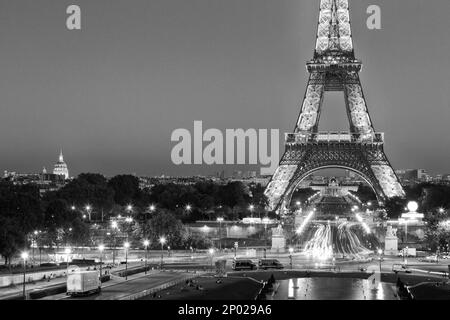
(60, 167)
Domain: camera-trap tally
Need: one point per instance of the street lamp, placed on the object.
(114, 227)
(188, 207)
(36, 233)
(211, 252)
(162, 240)
(220, 220)
(101, 248)
(129, 208)
(251, 208)
(152, 208)
(291, 251)
(380, 253)
(24, 256)
(266, 221)
(146, 243)
(89, 211)
(126, 245)
(67, 251)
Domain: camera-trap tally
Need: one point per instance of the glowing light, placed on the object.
(188, 207)
(162, 240)
(88, 208)
(129, 207)
(101, 247)
(24, 255)
(220, 219)
(413, 206)
(152, 208)
(146, 243)
(129, 219)
(305, 222)
(211, 251)
(126, 245)
(67, 251)
(114, 224)
(291, 250)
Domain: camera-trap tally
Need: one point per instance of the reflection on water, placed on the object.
(331, 289)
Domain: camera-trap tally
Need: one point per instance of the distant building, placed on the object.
(411, 176)
(60, 167)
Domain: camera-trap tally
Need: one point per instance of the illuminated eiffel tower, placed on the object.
(333, 68)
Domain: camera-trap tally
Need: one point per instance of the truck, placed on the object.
(407, 252)
(81, 283)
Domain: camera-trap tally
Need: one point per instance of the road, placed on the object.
(121, 289)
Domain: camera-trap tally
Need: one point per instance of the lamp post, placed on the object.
(251, 208)
(291, 251)
(146, 243)
(89, 211)
(266, 221)
(36, 232)
(67, 251)
(126, 245)
(211, 252)
(380, 253)
(100, 249)
(114, 226)
(220, 220)
(24, 256)
(162, 240)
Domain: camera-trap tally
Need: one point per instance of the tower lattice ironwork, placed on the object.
(333, 68)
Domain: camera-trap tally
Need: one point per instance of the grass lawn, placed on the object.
(229, 289)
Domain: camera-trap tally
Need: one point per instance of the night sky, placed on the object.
(111, 94)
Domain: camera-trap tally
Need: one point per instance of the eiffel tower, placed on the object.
(333, 68)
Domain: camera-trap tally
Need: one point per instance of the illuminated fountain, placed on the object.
(329, 240)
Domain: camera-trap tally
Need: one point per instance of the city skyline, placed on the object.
(111, 94)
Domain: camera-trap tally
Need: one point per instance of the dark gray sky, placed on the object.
(111, 94)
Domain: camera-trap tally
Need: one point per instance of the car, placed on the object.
(400, 268)
(269, 264)
(429, 259)
(241, 264)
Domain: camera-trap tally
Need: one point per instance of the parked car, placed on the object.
(241, 264)
(270, 264)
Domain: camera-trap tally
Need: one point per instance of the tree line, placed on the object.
(61, 217)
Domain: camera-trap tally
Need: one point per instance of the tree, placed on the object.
(87, 188)
(164, 223)
(395, 206)
(20, 214)
(126, 189)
